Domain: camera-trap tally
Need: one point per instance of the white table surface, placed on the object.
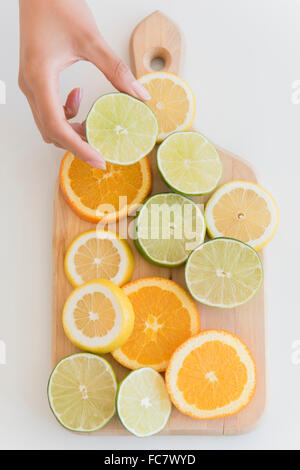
(241, 59)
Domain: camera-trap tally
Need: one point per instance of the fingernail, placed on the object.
(78, 97)
(97, 164)
(140, 91)
(68, 110)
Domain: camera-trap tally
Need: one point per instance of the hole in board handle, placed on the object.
(157, 64)
(157, 59)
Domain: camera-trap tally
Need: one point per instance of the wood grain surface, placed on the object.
(157, 35)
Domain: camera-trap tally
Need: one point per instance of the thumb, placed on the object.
(117, 72)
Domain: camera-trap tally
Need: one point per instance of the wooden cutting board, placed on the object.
(157, 36)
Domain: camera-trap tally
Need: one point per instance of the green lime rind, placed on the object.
(151, 261)
(224, 306)
(174, 188)
(134, 99)
(119, 391)
(49, 398)
(143, 251)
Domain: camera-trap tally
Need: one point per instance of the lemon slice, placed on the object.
(99, 254)
(81, 392)
(224, 273)
(172, 101)
(189, 163)
(242, 210)
(143, 403)
(168, 227)
(98, 317)
(121, 128)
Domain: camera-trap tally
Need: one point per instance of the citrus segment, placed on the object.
(172, 101)
(165, 316)
(211, 375)
(104, 195)
(99, 254)
(168, 227)
(143, 403)
(189, 163)
(98, 317)
(224, 273)
(242, 210)
(81, 392)
(121, 128)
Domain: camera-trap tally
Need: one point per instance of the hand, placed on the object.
(53, 35)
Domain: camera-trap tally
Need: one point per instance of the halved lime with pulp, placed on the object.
(224, 273)
(82, 391)
(121, 128)
(168, 227)
(143, 403)
(189, 163)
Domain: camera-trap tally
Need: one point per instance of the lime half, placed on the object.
(143, 403)
(189, 163)
(224, 273)
(168, 228)
(82, 391)
(121, 128)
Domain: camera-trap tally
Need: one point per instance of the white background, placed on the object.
(241, 59)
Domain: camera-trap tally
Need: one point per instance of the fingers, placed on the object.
(79, 128)
(71, 109)
(50, 117)
(116, 71)
(66, 137)
(73, 102)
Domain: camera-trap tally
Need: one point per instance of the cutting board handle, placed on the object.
(155, 37)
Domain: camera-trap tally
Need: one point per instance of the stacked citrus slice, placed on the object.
(172, 101)
(98, 317)
(99, 254)
(165, 316)
(104, 195)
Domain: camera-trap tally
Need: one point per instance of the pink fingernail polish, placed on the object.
(78, 97)
(100, 165)
(141, 91)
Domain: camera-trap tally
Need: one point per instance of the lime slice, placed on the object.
(82, 391)
(121, 128)
(189, 163)
(143, 403)
(224, 273)
(168, 227)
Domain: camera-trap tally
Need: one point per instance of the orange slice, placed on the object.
(104, 195)
(211, 375)
(165, 316)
